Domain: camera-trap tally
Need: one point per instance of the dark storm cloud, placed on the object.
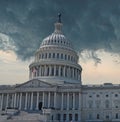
(89, 24)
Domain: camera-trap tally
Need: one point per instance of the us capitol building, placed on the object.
(54, 92)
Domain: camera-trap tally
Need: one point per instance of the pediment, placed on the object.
(35, 83)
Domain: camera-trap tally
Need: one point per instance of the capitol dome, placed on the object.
(57, 38)
(56, 61)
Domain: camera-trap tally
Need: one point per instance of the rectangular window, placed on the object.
(68, 57)
(42, 56)
(98, 116)
(61, 56)
(53, 55)
(49, 55)
(116, 116)
(65, 57)
(45, 55)
(64, 116)
(57, 55)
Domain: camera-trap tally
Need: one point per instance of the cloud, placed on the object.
(86, 55)
(90, 25)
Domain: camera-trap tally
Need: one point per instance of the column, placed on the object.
(2, 101)
(50, 68)
(61, 118)
(7, 100)
(55, 70)
(77, 74)
(64, 71)
(59, 70)
(73, 117)
(62, 101)
(68, 101)
(67, 117)
(69, 72)
(55, 95)
(12, 104)
(45, 73)
(79, 117)
(37, 101)
(49, 100)
(80, 101)
(26, 98)
(31, 106)
(15, 101)
(73, 72)
(29, 73)
(39, 70)
(43, 99)
(73, 101)
(20, 104)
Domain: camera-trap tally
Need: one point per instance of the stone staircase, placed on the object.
(23, 116)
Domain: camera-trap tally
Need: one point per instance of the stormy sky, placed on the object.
(93, 26)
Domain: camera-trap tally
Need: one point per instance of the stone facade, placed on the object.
(54, 91)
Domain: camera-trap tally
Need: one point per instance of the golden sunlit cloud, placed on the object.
(12, 70)
(106, 71)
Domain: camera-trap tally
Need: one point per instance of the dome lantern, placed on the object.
(58, 25)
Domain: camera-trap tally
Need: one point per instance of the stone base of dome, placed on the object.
(58, 80)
